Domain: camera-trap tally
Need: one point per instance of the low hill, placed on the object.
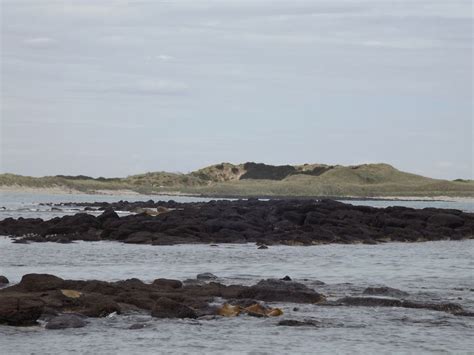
(257, 179)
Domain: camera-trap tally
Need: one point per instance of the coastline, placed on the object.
(61, 190)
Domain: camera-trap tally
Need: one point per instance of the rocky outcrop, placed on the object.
(290, 222)
(49, 297)
(449, 307)
(66, 303)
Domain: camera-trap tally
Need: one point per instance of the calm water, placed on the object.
(432, 271)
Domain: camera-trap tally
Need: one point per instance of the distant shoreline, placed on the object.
(60, 190)
(258, 180)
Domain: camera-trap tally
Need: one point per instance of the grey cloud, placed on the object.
(40, 42)
(276, 81)
(145, 87)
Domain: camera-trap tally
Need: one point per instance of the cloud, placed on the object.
(40, 42)
(151, 87)
(160, 57)
(164, 57)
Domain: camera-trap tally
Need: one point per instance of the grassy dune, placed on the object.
(250, 179)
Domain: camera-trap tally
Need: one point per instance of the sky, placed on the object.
(115, 87)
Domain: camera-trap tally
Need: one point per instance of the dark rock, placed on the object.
(97, 305)
(299, 323)
(139, 238)
(446, 220)
(452, 308)
(370, 302)
(107, 215)
(385, 291)
(167, 283)
(206, 276)
(65, 321)
(167, 308)
(262, 247)
(286, 278)
(288, 222)
(20, 311)
(3, 280)
(40, 282)
(137, 326)
(282, 291)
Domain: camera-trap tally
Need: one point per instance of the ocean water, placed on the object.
(431, 271)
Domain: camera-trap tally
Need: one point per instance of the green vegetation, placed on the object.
(251, 179)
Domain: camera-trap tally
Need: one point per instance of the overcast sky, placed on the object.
(113, 88)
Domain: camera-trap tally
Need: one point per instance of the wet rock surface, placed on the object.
(289, 222)
(282, 291)
(385, 291)
(66, 321)
(206, 276)
(38, 295)
(65, 303)
(167, 308)
(299, 323)
(447, 307)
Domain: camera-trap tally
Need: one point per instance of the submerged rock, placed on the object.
(385, 291)
(206, 276)
(299, 323)
(65, 321)
(452, 308)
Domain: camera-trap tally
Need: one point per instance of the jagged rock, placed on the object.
(288, 222)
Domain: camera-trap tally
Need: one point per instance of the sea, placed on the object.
(440, 271)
